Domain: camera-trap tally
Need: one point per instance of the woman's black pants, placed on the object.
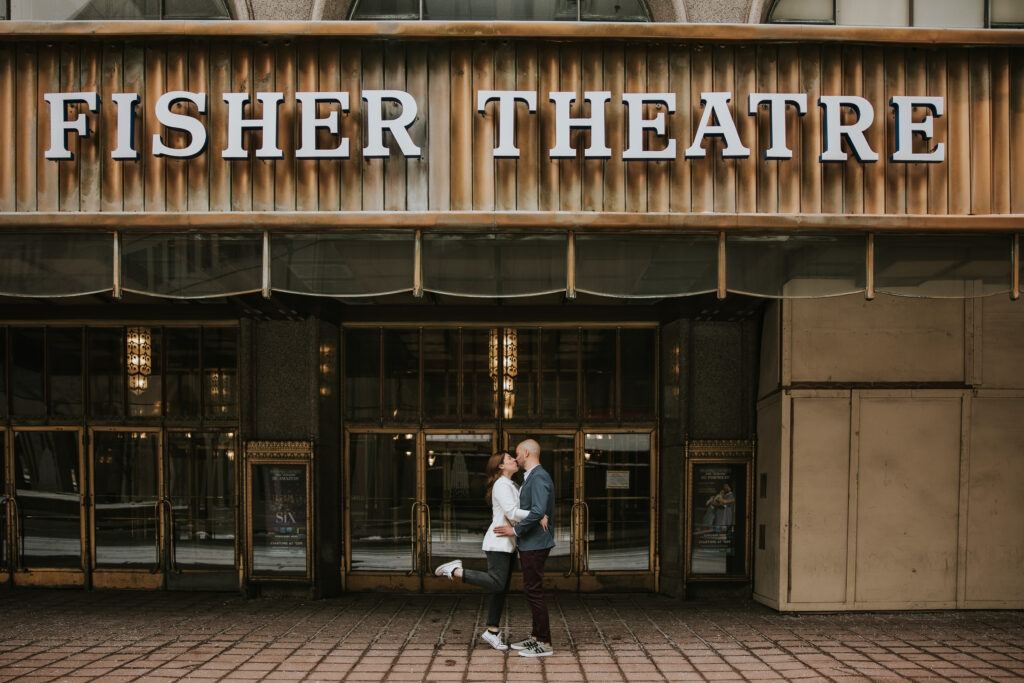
(495, 580)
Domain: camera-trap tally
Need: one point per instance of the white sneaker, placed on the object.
(493, 639)
(448, 569)
(538, 650)
(523, 644)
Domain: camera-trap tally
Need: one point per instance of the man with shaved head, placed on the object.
(535, 543)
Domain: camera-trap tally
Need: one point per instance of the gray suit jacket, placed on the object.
(537, 496)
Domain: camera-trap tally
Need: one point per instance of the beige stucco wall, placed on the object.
(903, 458)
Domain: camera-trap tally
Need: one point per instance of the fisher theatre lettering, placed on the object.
(716, 121)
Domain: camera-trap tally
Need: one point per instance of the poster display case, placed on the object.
(278, 487)
(718, 503)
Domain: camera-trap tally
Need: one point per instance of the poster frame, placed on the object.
(720, 452)
(260, 453)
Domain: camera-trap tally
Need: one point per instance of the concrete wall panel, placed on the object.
(770, 369)
(1002, 328)
(995, 509)
(770, 440)
(889, 339)
(818, 499)
(908, 495)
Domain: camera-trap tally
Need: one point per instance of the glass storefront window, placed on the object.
(599, 382)
(401, 375)
(499, 10)
(201, 486)
(99, 10)
(362, 373)
(382, 481)
(28, 371)
(441, 374)
(220, 372)
(478, 375)
(125, 480)
(64, 364)
(182, 372)
(106, 384)
(47, 486)
(144, 391)
(559, 373)
(3, 499)
(638, 351)
(3, 373)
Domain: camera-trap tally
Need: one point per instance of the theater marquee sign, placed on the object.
(716, 120)
(604, 130)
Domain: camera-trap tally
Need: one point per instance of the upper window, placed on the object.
(502, 10)
(922, 13)
(90, 10)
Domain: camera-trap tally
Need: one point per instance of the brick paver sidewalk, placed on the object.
(115, 636)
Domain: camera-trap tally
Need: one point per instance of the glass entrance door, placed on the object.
(415, 499)
(128, 510)
(45, 511)
(604, 508)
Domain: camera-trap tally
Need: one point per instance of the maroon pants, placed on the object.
(533, 587)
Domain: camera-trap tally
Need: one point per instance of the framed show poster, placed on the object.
(278, 487)
(718, 497)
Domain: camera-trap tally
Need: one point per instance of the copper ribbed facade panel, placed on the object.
(456, 170)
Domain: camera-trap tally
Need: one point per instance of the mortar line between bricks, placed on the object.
(674, 643)
(796, 655)
(267, 643)
(643, 648)
(337, 615)
(604, 641)
(378, 636)
(409, 636)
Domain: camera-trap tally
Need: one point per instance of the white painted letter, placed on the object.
(717, 104)
(125, 102)
(375, 123)
(638, 124)
(311, 123)
(180, 122)
(834, 130)
(777, 119)
(905, 128)
(236, 124)
(506, 116)
(59, 126)
(564, 125)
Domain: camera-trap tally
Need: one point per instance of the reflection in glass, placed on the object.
(3, 372)
(85, 10)
(64, 360)
(28, 371)
(401, 375)
(279, 524)
(182, 372)
(106, 388)
(459, 515)
(47, 486)
(718, 531)
(195, 9)
(558, 382)
(144, 392)
(3, 497)
(617, 491)
(125, 475)
(557, 455)
(201, 486)
(441, 374)
(599, 350)
(220, 372)
(526, 387)
(382, 476)
(362, 374)
(638, 370)
(478, 391)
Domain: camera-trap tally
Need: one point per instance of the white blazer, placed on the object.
(504, 504)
